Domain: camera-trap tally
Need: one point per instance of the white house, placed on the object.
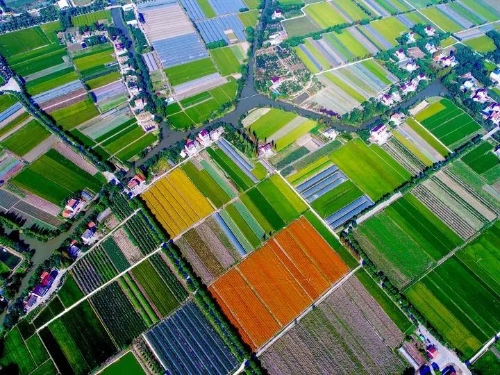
(330, 133)
(430, 31)
(398, 118)
(431, 48)
(400, 55)
(411, 66)
(495, 76)
(379, 134)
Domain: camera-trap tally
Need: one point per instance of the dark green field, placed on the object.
(125, 365)
(482, 158)
(69, 292)
(336, 199)
(241, 180)
(190, 71)
(207, 185)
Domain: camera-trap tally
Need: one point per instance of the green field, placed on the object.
(325, 14)
(249, 19)
(190, 71)
(69, 292)
(16, 352)
(240, 179)
(374, 171)
(26, 138)
(92, 63)
(51, 81)
(336, 199)
(389, 28)
(387, 304)
(310, 170)
(91, 18)
(7, 101)
(155, 288)
(300, 26)
(136, 147)
(127, 364)
(439, 18)
(55, 178)
(243, 226)
(103, 80)
(405, 239)
(82, 338)
(481, 44)
(271, 122)
(75, 114)
(123, 139)
(466, 316)
(428, 137)
(284, 200)
(450, 124)
(225, 60)
(206, 8)
(481, 159)
(207, 185)
(13, 123)
(21, 41)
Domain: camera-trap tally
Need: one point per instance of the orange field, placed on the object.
(274, 284)
(176, 202)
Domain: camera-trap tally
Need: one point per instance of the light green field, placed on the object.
(91, 18)
(324, 14)
(343, 85)
(6, 101)
(374, 171)
(295, 134)
(190, 71)
(481, 44)
(51, 81)
(249, 19)
(439, 18)
(300, 26)
(390, 28)
(75, 114)
(225, 60)
(351, 9)
(271, 122)
(103, 80)
(99, 59)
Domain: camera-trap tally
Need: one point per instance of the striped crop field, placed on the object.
(447, 122)
(276, 283)
(176, 202)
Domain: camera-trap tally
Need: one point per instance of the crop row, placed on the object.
(93, 270)
(159, 263)
(345, 334)
(118, 314)
(115, 254)
(138, 300)
(406, 159)
(139, 232)
(120, 207)
(445, 213)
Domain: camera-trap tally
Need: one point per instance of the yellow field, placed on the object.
(176, 203)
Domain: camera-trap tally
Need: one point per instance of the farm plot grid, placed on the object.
(347, 87)
(450, 124)
(347, 333)
(484, 162)
(176, 202)
(277, 282)
(406, 239)
(465, 315)
(332, 13)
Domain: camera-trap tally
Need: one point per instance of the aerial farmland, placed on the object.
(245, 186)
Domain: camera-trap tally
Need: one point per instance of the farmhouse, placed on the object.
(330, 133)
(379, 134)
(432, 352)
(266, 150)
(216, 133)
(135, 185)
(480, 96)
(46, 281)
(492, 113)
(400, 55)
(431, 48)
(277, 14)
(88, 237)
(410, 37)
(429, 30)
(495, 76)
(204, 137)
(411, 66)
(398, 118)
(73, 251)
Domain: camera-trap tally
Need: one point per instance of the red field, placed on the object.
(277, 282)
